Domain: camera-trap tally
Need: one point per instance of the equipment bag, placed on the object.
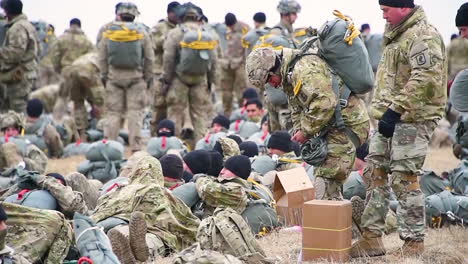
(159, 146)
(102, 171)
(40, 199)
(105, 150)
(196, 51)
(461, 136)
(261, 218)
(250, 39)
(274, 41)
(125, 45)
(75, 149)
(459, 92)
(432, 184)
(459, 178)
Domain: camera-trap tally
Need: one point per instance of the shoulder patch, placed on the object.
(420, 56)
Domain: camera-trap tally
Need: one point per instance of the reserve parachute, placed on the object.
(196, 50)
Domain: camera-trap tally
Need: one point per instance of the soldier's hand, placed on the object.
(299, 137)
(388, 122)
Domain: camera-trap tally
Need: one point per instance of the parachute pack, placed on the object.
(459, 91)
(159, 146)
(125, 45)
(196, 50)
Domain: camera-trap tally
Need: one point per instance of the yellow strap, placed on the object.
(327, 229)
(262, 187)
(300, 33)
(245, 44)
(268, 45)
(328, 249)
(22, 132)
(199, 44)
(245, 30)
(124, 35)
(297, 88)
(290, 160)
(352, 31)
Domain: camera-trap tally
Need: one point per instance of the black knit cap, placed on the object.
(58, 177)
(3, 215)
(280, 140)
(172, 166)
(362, 151)
(461, 20)
(166, 123)
(34, 108)
(230, 19)
(221, 120)
(216, 163)
(199, 161)
(12, 7)
(250, 93)
(249, 149)
(259, 17)
(172, 6)
(75, 21)
(364, 27)
(239, 165)
(397, 3)
(236, 138)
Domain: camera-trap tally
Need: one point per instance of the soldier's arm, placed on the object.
(428, 75)
(36, 159)
(13, 53)
(55, 55)
(68, 200)
(158, 39)
(171, 46)
(216, 194)
(148, 63)
(102, 59)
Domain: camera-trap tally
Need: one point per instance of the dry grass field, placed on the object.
(446, 245)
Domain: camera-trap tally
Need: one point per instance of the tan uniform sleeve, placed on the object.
(13, 52)
(217, 194)
(102, 59)
(68, 200)
(148, 63)
(171, 49)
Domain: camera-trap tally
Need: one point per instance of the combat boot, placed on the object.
(410, 248)
(121, 247)
(370, 245)
(137, 235)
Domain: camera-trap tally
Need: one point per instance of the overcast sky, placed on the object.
(94, 13)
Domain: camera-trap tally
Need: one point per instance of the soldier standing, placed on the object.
(68, 47)
(233, 79)
(126, 63)
(409, 100)
(18, 57)
(159, 33)
(458, 49)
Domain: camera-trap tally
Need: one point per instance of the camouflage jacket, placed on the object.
(69, 47)
(231, 194)
(101, 31)
(21, 47)
(159, 33)
(166, 216)
(172, 52)
(312, 100)
(412, 74)
(234, 54)
(457, 56)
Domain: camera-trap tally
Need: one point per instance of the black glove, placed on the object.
(387, 123)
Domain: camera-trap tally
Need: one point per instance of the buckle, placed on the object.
(343, 102)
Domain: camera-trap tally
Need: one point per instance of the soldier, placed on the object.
(288, 10)
(172, 169)
(241, 113)
(69, 47)
(408, 108)
(219, 128)
(313, 102)
(246, 128)
(458, 48)
(18, 57)
(187, 61)
(7, 254)
(259, 20)
(106, 26)
(126, 63)
(159, 33)
(280, 149)
(233, 79)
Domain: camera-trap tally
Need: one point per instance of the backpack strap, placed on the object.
(244, 230)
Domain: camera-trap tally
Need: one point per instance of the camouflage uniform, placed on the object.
(126, 88)
(233, 78)
(69, 47)
(18, 63)
(81, 82)
(457, 55)
(159, 107)
(411, 80)
(48, 96)
(312, 109)
(187, 98)
(44, 130)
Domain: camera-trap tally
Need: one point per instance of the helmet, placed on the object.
(11, 119)
(258, 65)
(127, 8)
(188, 10)
(288, 6)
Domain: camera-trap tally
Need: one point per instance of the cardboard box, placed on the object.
(326, 233)
(291, 189)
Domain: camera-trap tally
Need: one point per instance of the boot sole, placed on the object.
(121, 247)
(138, 230)
(358, 206)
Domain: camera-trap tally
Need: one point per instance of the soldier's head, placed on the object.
(126, 11)
(34, 108)
(254, 110)
(265, 123)
(171, 12)
(197, 161)
(172, 166)
(75, 22)
(219, 123)
(259, 19)
(365, 29)
(236, 166)
(249, 149)
(461, 20)
(249, 93)
(166, 128)
(230, 19)
(189, 12)
(288, 10)
(395, 11)
(59, 177)
(279, 143)
(12, 8)
(263, 66)
(11, 124)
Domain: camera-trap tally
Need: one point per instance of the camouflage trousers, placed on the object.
(401, 156)
(233, 82)
(332, 173)
(278, 115)
(14, 96)
(125, 96)
(188, 107)
(159, 107)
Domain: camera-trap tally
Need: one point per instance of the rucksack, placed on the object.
(274, 41)
(431, 183)
(459, 91)
(158, 146)
(125, 45)
(105, 150)
(75, 149)
(40, 199)
(461, 136)
(459, 178)
(250, 39)
(196, 51)
(102, 171)
(354, 186)
(227, 232)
